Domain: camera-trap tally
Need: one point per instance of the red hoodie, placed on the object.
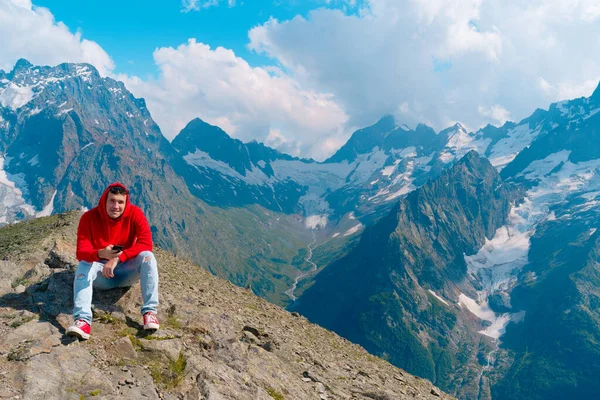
(97, 230)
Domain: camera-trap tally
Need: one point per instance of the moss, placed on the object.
(21, 321)
(107, 319)
(95, 392)
(173, 322)
(136, 342)
(172, 375)
(19, 281)
(166, 337)
(275, 394)
(127, 331)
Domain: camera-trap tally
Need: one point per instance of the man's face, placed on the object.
(115, 205)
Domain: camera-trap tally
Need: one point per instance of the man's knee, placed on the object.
(83, 269)
(147, 257)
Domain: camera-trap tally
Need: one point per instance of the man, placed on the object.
(114, 249)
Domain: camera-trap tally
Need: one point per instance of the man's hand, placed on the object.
(109, 267)
(107, 253)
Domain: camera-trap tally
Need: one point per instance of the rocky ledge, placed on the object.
(217, 341)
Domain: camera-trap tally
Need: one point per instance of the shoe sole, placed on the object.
(151, 327)
(78, 333)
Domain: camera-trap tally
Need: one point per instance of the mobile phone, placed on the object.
(117, 248)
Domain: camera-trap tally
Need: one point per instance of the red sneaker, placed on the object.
(150, 321)
(80, 330)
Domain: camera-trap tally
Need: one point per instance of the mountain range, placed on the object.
(443, 252)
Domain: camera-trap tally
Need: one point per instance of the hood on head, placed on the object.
(103, 198)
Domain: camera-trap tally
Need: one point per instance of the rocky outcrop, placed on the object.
(218, 341)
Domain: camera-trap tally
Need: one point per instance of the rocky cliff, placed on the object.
(217, 341)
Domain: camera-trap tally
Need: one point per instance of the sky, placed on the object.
(302, 75)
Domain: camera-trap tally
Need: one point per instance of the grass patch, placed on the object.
(172, 375)
(173, 322)
(136, 342)
(166, 337)
(21, 321)
(20, 281)
(275, 394)
(107, 319)
(95, 392)
(15, 238)
(127, 331)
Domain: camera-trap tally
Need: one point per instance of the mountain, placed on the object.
(228, 172)
(557, 287)
(217, 341)
(68, 133)
(388, 292)
(534, 280)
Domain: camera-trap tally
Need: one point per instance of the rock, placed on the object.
(320, 387)
(19, 289)
(29, 348)
(170, 348)
(311, 376)
(9, 272)
(270, 345)
(249, 337)
(136, 374)
(206, 342)
(118, 315)
(30, 339)
(62, 255)
(500, 302)
(124, 348)
(57, 373)
(436, 392)
(254, 331)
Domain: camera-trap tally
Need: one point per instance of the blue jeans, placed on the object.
(88, 275)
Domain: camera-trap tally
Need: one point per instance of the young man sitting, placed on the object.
(114, 249)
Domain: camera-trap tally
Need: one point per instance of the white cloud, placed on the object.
(247, 102)
(196, 5)
(31, 32)
(496, 112)
(440, 61)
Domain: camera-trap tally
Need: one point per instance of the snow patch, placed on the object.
(33, 161)
(11, 197)
(14, 96)
(48, 208)
(65, 111)
(485, 313)
(353, 230)
(438, 297)
(316, 221)
(516, 140)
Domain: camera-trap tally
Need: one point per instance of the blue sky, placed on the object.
(130, 30)
(303, 81)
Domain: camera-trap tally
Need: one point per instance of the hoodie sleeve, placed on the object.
(85, 248)
(143, 235)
